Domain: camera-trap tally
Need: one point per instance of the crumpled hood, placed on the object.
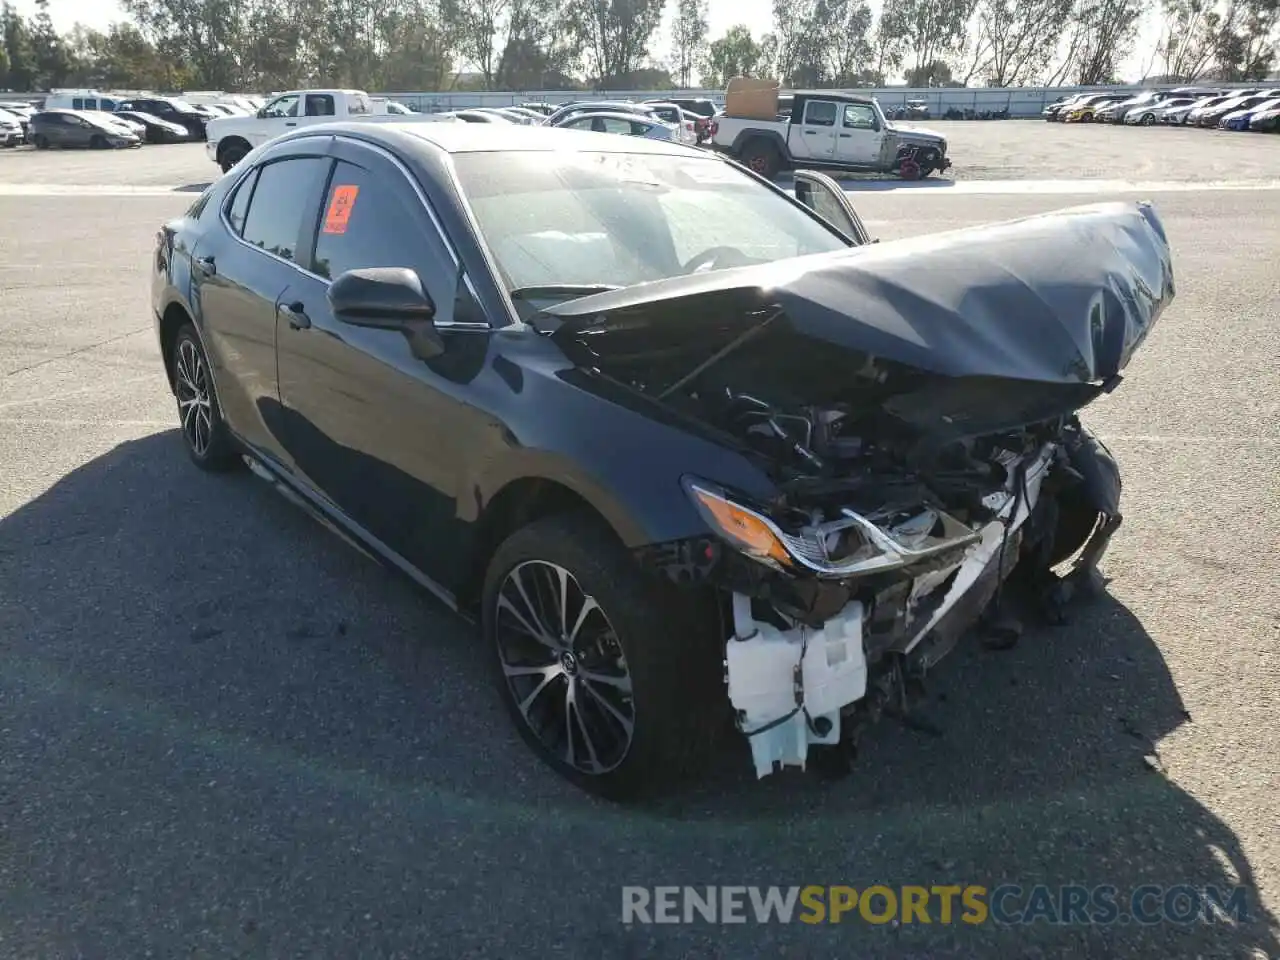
(913, 133)
(1062, 298)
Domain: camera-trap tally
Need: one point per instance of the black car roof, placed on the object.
(497, 138)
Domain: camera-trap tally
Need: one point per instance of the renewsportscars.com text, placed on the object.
(1007, 904)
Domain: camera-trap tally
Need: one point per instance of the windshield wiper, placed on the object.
(567, 291)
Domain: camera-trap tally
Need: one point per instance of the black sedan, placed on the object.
(79, 128)
(173, 110)
(157, 130)
(692, 452)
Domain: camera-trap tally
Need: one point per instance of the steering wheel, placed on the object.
(732, 257)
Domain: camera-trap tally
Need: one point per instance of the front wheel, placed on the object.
(594, 660)
(41, 142)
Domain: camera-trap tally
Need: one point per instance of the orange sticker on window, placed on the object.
(340, 207)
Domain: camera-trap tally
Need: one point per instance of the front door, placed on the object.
(824, 197)
(860, 137)
(817, 131)
(370, 421)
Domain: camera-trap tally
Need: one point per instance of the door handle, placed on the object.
(843, 135)
(294, 313)
(205, 266)
(292, 123)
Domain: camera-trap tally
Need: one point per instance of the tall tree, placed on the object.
(1100, 35)
(918, 32)
(1015, 40)
(1247, 39)
(736, 54)
(20, 72)
(52, 61)
(848, 47)
(614, 34)
(688, 38)
(802, 38)
(1188, 38)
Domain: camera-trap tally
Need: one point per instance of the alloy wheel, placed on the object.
(195, 405)
(564, 667)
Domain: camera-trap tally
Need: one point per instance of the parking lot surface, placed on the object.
(225, 733)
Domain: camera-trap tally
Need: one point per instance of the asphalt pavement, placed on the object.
(225, 733)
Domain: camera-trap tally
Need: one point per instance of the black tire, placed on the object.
(762, 157)
(644, 630)
(97, 142)
(204, 434)
(230, 155)
(41, 141)
(1148, 119)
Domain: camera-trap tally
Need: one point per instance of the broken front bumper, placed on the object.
(792, 688)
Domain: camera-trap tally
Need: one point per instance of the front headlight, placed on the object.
(851, 545)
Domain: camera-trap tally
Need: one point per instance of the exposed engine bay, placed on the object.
(916, 412)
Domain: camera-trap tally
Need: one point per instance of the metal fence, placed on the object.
(1019, 102)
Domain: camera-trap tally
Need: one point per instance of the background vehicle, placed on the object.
(1118, 111)
(613, 106)
(541, 373)
(11, 132)
(231, 138)
(829, 130)
(1053, 111)
(1197, 110)
(480, 116)
(542, 109)
(1210, 116)
(1240, 119)
(514, 116)
(1083, 110)
(674, 116)
(155, 130)
(80, 100)
(19, 113)
(73, 128)
(703, 111)
(193, 118)
(1150, 113)
(128, 123)
(628, 124)
(1265, 121)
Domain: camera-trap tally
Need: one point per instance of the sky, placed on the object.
(757, 15)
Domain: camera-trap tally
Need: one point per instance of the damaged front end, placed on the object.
(915, 405)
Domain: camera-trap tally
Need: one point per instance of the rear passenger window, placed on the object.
(361, 225)
(240, 203)
(279, 204)
(820, 113)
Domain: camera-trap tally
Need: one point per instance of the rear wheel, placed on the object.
(1148, 119)
(230, 155)
(41, 141)
(205, 435)
(97, 142)
(762, 157)
(596, 663)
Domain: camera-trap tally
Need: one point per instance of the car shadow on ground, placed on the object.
(151, 596)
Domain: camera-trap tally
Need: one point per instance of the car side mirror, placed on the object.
(388, 298)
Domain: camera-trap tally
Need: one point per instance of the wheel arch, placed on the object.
(517, 504)
(232, 139)
(175, 316)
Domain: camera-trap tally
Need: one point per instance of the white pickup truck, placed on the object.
(829, 130)
(231, 138)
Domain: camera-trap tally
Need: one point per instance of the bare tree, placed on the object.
(1016, 39)
(924, 31)
(847, 26)
(614, 34)
(1100, 35)
(1188, 37)
(689, 38)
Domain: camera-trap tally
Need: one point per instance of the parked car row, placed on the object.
(1254, 109)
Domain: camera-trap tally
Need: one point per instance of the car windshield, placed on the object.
(595, 219)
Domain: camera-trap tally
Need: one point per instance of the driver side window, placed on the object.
(858, 116)
(284, 107)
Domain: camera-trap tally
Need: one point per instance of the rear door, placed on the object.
(238, 273)
(824, 197)
(371, 422)
(816, 138)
